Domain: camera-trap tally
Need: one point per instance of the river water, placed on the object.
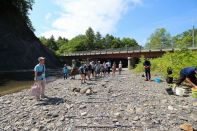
(11, 82)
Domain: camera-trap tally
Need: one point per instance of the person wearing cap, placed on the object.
(188, 74)
(65, 71)
(39, 70)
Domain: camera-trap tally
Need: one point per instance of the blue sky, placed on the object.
(122, 18)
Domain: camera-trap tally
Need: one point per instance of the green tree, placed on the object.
(43, 40)
(128, 42)
(108, 40)
(77, 43)
(90, 38)
(23, 6)
(50, 43)
(60, 43)
(115, 43)
(159, 39)
(98, 41)
(184, 39)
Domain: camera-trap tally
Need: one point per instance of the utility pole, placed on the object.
(193, 37)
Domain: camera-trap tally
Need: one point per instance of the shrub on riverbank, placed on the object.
(176, 61)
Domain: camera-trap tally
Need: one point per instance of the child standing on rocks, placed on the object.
(65, 71)
(82, 74)
(113, 69)
(120, 67)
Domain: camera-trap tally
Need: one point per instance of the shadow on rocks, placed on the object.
(51, 101)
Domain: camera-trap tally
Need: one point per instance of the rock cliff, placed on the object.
(19, 47)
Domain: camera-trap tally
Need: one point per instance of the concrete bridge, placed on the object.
(126, 55)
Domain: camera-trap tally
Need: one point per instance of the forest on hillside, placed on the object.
(160, 38)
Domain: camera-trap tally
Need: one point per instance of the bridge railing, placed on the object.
(123, 50)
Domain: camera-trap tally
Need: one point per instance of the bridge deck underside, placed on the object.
(117, 55)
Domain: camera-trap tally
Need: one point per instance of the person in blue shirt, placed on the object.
(82, 74)
(147, 66)
(65, 71)
(188, 74)
(39, 78)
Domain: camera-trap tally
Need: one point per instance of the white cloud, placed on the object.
(48, 16)
(77, 15)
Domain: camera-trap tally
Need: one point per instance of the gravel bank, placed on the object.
(123, 103)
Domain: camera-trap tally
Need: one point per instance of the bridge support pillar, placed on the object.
(131, 63)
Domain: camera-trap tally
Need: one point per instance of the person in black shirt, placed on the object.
(147, 66)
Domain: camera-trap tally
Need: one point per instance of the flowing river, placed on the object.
(11, 82)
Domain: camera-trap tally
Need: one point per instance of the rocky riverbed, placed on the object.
(125, 102)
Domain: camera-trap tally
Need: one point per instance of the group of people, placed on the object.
(93, 69)
(98, 69)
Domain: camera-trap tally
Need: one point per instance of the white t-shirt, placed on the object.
(120, 65)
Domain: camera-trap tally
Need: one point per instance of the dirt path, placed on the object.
(123, 103)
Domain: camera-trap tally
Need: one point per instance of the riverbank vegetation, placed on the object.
(176, 61)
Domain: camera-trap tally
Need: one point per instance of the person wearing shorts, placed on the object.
(82, 74)
(39, 71)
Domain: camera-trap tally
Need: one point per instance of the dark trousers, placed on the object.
(182, 78)
(147, 73)
(65, 76)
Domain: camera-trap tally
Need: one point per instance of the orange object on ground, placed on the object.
(186, 127)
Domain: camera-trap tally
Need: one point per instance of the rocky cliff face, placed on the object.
(19, 47)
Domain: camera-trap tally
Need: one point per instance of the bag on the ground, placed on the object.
(169, 80)
(35, 90)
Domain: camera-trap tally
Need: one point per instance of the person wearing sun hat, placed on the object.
(39, 71)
